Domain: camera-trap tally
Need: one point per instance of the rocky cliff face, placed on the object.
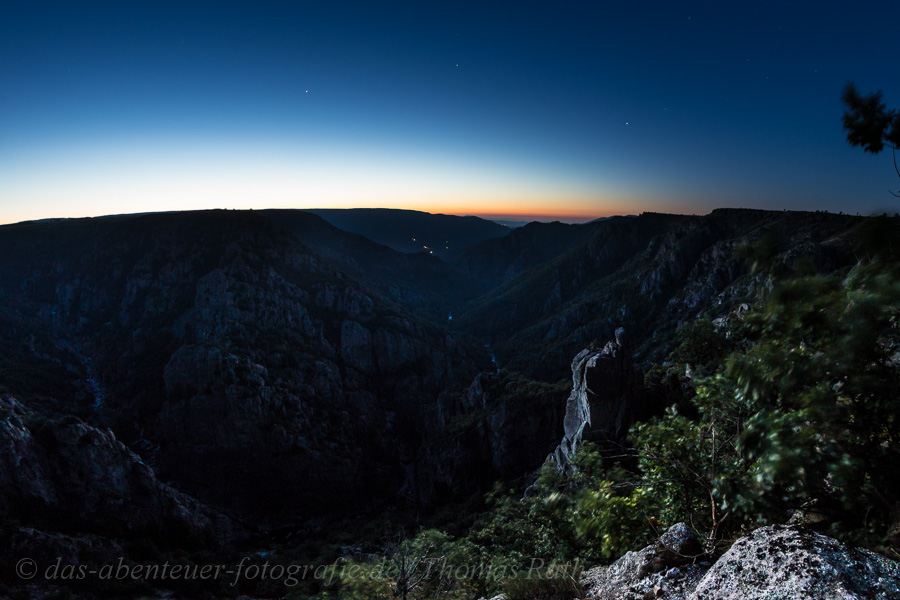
(608, 395)
(647, 274)
(500, 428)
(510, 423)
(63, 474)
(247, 369)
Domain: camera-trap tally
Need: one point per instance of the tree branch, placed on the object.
(894, 155)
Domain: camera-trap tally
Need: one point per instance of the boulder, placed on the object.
(782, 562)
(665, 570)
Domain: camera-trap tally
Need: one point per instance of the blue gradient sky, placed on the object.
(576, 109)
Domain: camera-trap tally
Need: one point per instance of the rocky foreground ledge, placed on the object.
(792, 562)
(778, 562)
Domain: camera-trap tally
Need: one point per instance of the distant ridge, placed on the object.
(412, 230)
(554, 287)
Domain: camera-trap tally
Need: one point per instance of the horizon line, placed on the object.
(516, 217)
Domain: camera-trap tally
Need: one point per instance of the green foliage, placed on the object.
(526, 528)
(869, 123)
(702, 345)
(803, 418)
(820, 392)
(616, 515)
(879, 238)
(761, 254)
(793, 413)
(365, 581)
(527, 547)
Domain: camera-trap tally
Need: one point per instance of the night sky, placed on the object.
(572, 110)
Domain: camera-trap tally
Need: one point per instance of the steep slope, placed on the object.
(66, 475)
(247, 369)
(646, 274)
(413, 230)
(419, 282)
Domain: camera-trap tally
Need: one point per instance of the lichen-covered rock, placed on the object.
(792, 563)
(661, 570)
(681, 541)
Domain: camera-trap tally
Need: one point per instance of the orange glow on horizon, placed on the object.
(150, 175)
(569, 218)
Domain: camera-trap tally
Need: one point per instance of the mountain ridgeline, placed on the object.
(272, 368)
(648, 274)
(413, 230)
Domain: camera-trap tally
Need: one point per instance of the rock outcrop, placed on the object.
(67, 474)
(777, 562)
(668, 569)
(607, 395)
(788, 562)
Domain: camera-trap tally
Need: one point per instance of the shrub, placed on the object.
(805, 416)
